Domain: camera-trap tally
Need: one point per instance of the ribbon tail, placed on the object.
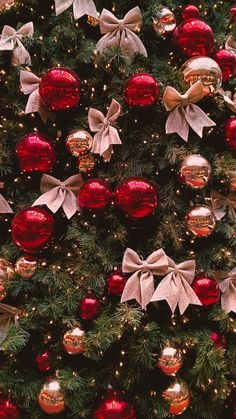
(111, 39)
(187, 296)
(84, 7)
(70, 204)
(20, 55)
(219, 212)
(131, 44)
(177, 123)
(232, 213)
(132, 289)
(228, 301)
(197, 119)
(147, 289)
(167, 290)
(4, 207)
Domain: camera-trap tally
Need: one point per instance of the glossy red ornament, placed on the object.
(116, 283)
(114, 407)
(233, 13)
(32, 229)
(230, 132)
(136, 197)
(207, 290)
(59, 88)
(35, 153)
(43, 362)
(218, 340)
(141, 90)
(193, 37)
(90, 307)
(95, 195)
(227, 63)
(8, 410)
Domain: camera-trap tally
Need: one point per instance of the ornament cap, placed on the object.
(190, 12)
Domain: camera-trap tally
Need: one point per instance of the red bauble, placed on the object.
(32, 229)
(59, 88)
(233, 13)
(218, 340)
(137, 197)
(8, 410)
(227, 62)
(114, 407)
(35, 153)
(90, 307)
(141, 90)
(44, 362)
(230, 132)
(116, 283)
(207, 290)
(95, 195)
(193, 37)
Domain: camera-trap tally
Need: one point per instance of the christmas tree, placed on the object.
(118, 209)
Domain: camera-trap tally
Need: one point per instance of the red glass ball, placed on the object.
(44, 362)
(227, 62)
(59, 88)
(136, 197)
(8, 410)
(114, 407)
(233, 13)
(141, 90)
(35, 153)
(90, 307)
(207, 290)
(116, 283)
(190, 12)
(218, 340)
(95, 195)
(230, 132)
(32, 229)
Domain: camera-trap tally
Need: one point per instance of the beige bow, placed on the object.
(184, 112)
(227, 96)
(176, 288)
(230, 44)
(227, 284)
(11, 40)
(4, 207)
(58, 194)
(222, 204)
(106, 135)
(8, 316)
(80, 7)
(140, 286)
(120, 33)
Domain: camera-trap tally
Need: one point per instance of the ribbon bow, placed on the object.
(8, 315)
(222, 204)
(11, 40)
(140, 285)
(80, 7)
(229, 100)
(4, 207)
(227, 284)
(106, 135)
(120, 33)
(230, 44)
(175, 287)
(58, 194)
(184, 112)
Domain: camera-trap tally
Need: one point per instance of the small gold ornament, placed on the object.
(86, 163)
(79, 142)
(195, 171)
(6, 4)
(74, 341)
(201, 221)
(164, 21)
(170, 360)
(51, 398)
(26, 266)
(232, 180)
(6, 273)
(178, 396)
(93, 21)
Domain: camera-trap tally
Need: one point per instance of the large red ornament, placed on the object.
(193, 37)
(207, 290)
(141, 90)
(218, 340)
(114, 407)
(137, 197)
(95, 195)
(44, 362)
(233, 13)
(227, 62)
(32, 229)
(230, 132)
(35, 153)
(116, 283)
(8, 410)
(90, 307)
(59, 88)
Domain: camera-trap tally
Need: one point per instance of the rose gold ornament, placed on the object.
(201, 221)
(232, 180)
(74, 341)
(164, 21)
(195, 171)
(86, 163)
(178, 396)
(170, 360)
(26, 266)
(6, 273)
(51, 398)
(79, 142)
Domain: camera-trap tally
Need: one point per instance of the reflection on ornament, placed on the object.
(170, 360)
(93, 21)
(26, 266)
(207, 290)
(95, 195)
(74, 341)
(116, 283)
(141, 90)
(201, 221)
(177, 395)
(79, 142)
(51, 398)
(227, 62)
(232, 180)
(6, 273)
(195, 171)
(114, 406)
(8, 410)
(90, 307)
(86, 163)
(43, 362)
(204, 69)
(164, 21)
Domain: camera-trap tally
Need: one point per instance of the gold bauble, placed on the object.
(232, 180)
(177, 395)
(201, 221)
(74, 341)
(170, 360)
(195, 171)
(51, 398)
(79, 142)
(26, 266)
(205, 69)
(86, 163)
(93, 21)
(164, 21)
(6, 4)
(6, 272)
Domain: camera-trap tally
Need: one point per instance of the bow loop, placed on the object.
(222, 204)
(80, 7)
(227, 284)
(11, 40)
(230, 44)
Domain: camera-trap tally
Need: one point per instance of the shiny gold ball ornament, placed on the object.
(86, 163)
(195, 171)
(177, 395)
(205, 69)
(26, 266)
(93, 21)
(51, 397)
(6, 273)
(201, 221)
(232, 180)
(164, 21)
(74, 341)
(170, 360)
(79, 142)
